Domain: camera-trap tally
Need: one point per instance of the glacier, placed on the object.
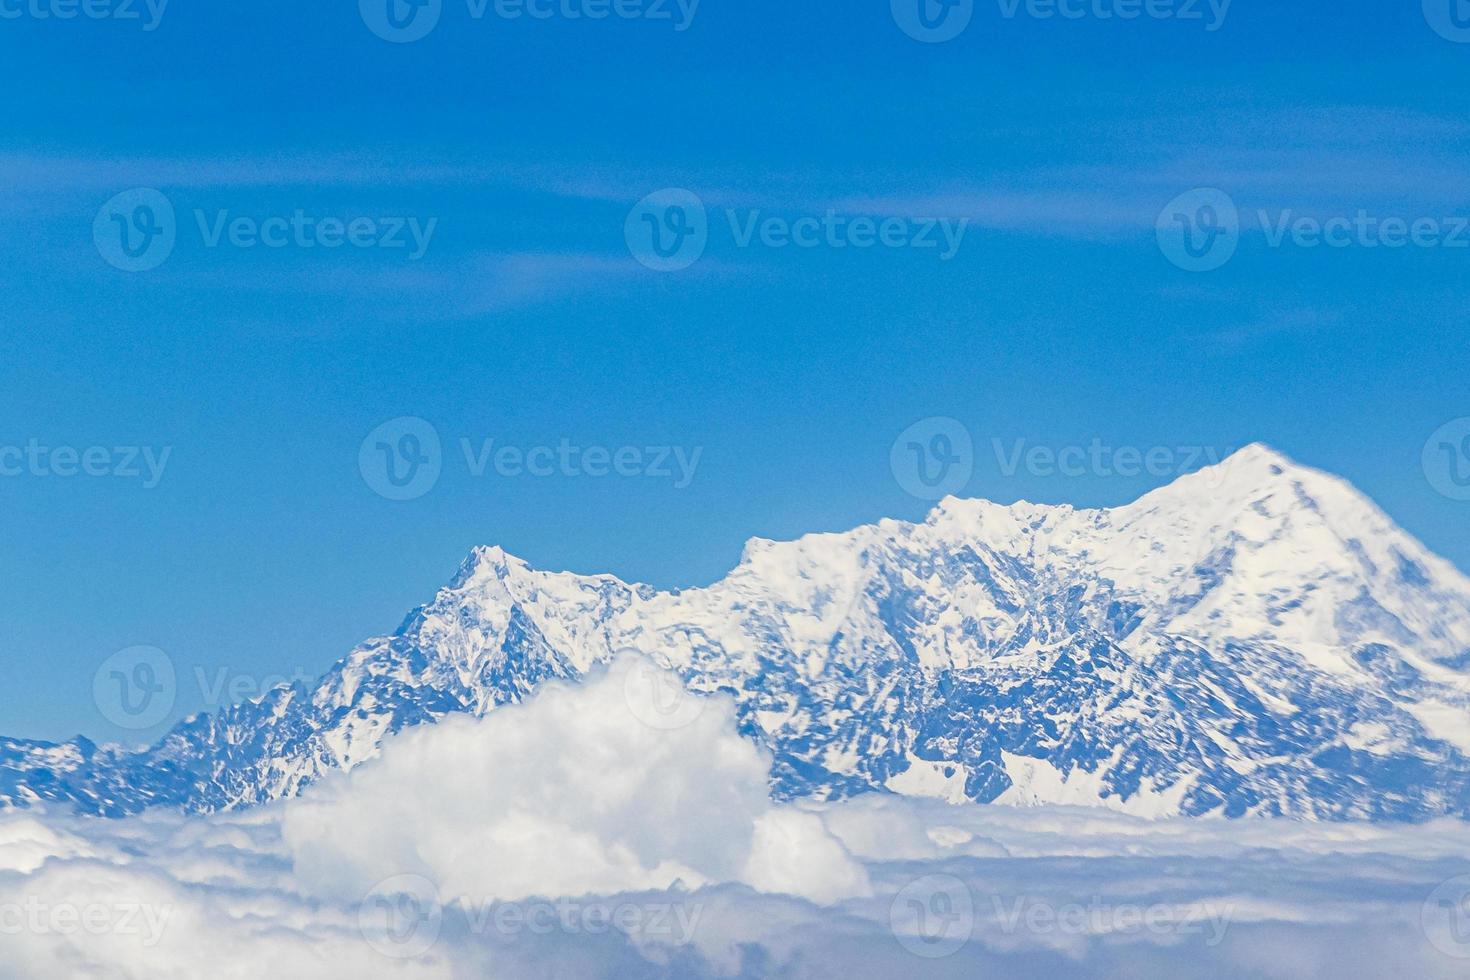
(1257, 639)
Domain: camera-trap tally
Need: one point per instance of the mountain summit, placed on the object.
(1257, 638)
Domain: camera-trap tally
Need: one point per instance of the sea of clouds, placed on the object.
(620, 828)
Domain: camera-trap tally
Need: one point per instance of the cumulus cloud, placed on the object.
(620, 783)
(621, 828)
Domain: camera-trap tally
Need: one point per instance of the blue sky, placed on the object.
(262, 550)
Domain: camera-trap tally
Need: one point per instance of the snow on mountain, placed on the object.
(1255, 639)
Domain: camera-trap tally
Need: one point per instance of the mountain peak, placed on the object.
(1201, 650)
(1254, 467)
(487, 561)
(1247, 477)
(1260, 455)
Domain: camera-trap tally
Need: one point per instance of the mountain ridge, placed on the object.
(1254, 638)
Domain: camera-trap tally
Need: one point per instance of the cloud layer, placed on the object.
(621, 828)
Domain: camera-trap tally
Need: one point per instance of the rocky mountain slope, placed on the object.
(1255, 639)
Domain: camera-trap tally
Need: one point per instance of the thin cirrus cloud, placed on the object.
(463, 286)
(1311, 160)
(61, 172)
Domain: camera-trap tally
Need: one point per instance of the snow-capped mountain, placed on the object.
(1256, 638)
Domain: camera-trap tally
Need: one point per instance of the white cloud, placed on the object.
(646, 806)
(573, 793)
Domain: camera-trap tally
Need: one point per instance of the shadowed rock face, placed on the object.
(1256, 639)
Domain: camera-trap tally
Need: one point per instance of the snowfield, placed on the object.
(1257, 639)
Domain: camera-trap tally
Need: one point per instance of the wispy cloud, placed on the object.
(1315, 160)
(60, 173)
